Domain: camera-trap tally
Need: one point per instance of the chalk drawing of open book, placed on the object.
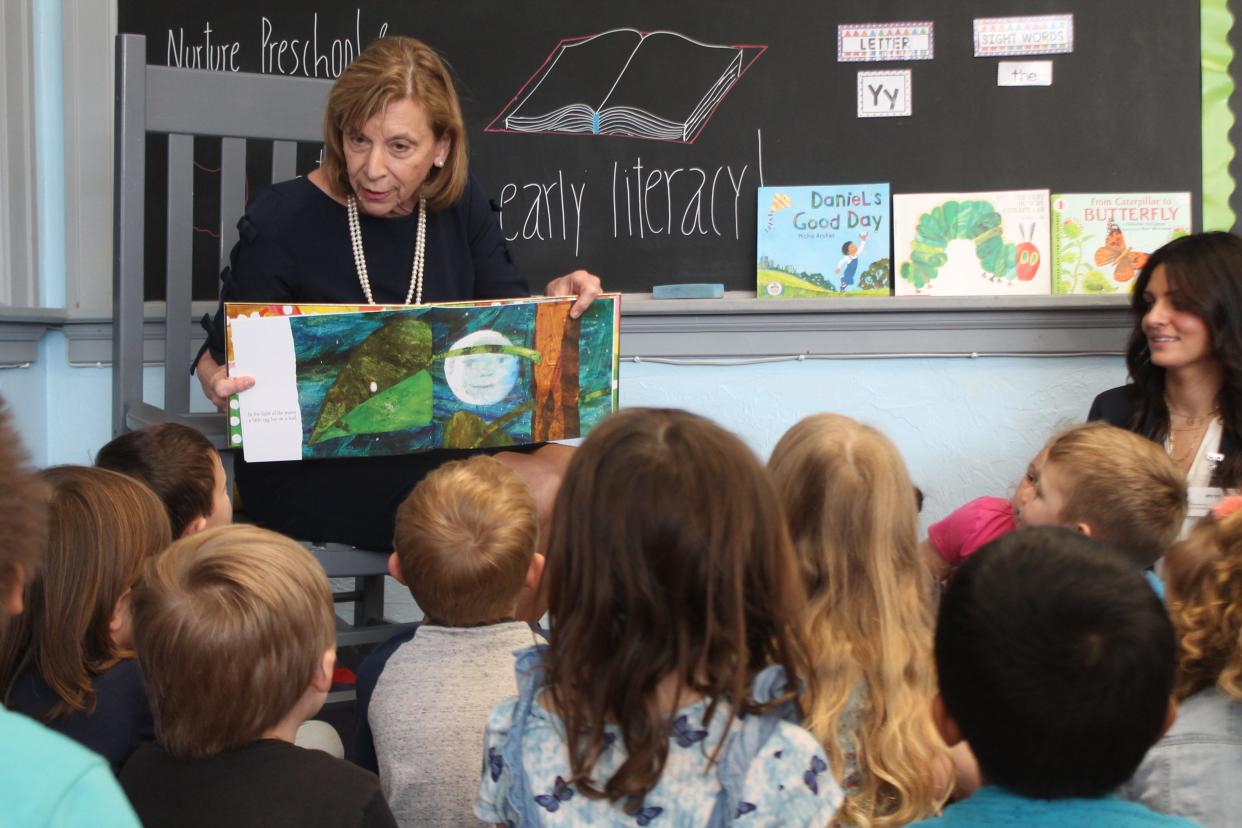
(658, 85)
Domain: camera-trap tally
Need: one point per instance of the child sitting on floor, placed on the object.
(236, 636)
(672, 586)
(45, 778)
(68, 661)
(465, 547)
(1056, 664)
(1098, 479)
(1194, 771)
(852, 516)
(181, 467)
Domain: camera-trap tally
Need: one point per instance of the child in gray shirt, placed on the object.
(465, 546)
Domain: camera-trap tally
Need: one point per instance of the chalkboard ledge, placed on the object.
(740, 326)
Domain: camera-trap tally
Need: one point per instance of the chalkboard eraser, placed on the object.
(701, 290)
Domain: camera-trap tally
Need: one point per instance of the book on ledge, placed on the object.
(366, 380)
(658, 85)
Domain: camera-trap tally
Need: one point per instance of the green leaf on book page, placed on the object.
(399, 349)
(400, 407)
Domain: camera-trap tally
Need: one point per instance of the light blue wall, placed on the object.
(966, 427)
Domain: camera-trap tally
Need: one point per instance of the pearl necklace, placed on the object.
(360, 263)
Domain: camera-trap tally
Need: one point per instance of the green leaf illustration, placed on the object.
(406, 405)
(398, 350)
(1097, 282)
(466, 430)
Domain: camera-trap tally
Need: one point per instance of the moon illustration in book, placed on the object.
(481, 379)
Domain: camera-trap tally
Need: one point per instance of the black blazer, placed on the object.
(1117, 406)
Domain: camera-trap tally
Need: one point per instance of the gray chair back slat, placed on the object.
(180, 263)
(232, 193)
(130, 160)
(284, 160)
(236, 104)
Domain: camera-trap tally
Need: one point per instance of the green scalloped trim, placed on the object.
(1215, 54)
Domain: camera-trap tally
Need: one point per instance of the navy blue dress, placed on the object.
(294, 246)
(120, 722)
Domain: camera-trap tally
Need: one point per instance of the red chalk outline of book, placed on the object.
(534, 110)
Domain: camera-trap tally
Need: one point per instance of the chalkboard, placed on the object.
(1122, 114)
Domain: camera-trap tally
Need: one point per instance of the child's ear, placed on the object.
(120, 625)
(945, 723)
(1170, 716)
(195, 526)
(394, 568)
(1082, 528)
(534, 572)
(321, 681)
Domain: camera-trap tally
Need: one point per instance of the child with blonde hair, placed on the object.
(676, 609)
(852, 516)
(45, 778)
(68, 661)
(1103, 481)
(1194, 770)
(465, 546)
(236, 635)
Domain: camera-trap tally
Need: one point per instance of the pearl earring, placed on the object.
(439, 162)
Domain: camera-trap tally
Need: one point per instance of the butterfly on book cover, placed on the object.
(1126, 261)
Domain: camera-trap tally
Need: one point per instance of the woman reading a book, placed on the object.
(1185, 360)
(392, 216)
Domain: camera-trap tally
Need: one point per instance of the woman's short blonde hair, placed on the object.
(230, 626)
(389, 70)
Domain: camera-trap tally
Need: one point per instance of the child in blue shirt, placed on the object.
(1056, 664)
(675, 640)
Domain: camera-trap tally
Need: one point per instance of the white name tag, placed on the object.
(1201, 500)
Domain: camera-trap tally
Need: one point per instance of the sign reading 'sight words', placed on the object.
(1043, 34)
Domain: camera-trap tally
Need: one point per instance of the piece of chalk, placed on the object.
(701, 290)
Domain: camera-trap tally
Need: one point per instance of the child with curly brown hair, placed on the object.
(1194, 770)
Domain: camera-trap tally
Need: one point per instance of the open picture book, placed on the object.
(357, 381)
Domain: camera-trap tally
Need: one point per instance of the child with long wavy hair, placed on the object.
(852, 516)
(68, 661)
(1194, 770)
(676, 607)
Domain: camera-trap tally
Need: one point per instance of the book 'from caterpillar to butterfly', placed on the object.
(824, 240)
(658, 85)
(971, 244)
(1100, 241)
(360, 381)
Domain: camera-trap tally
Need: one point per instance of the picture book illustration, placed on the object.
(823, 240)
(1100, 241)
(355, 381)
(971, 244)
(658, 85)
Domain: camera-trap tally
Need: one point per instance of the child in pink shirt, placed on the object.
(1093, 478)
